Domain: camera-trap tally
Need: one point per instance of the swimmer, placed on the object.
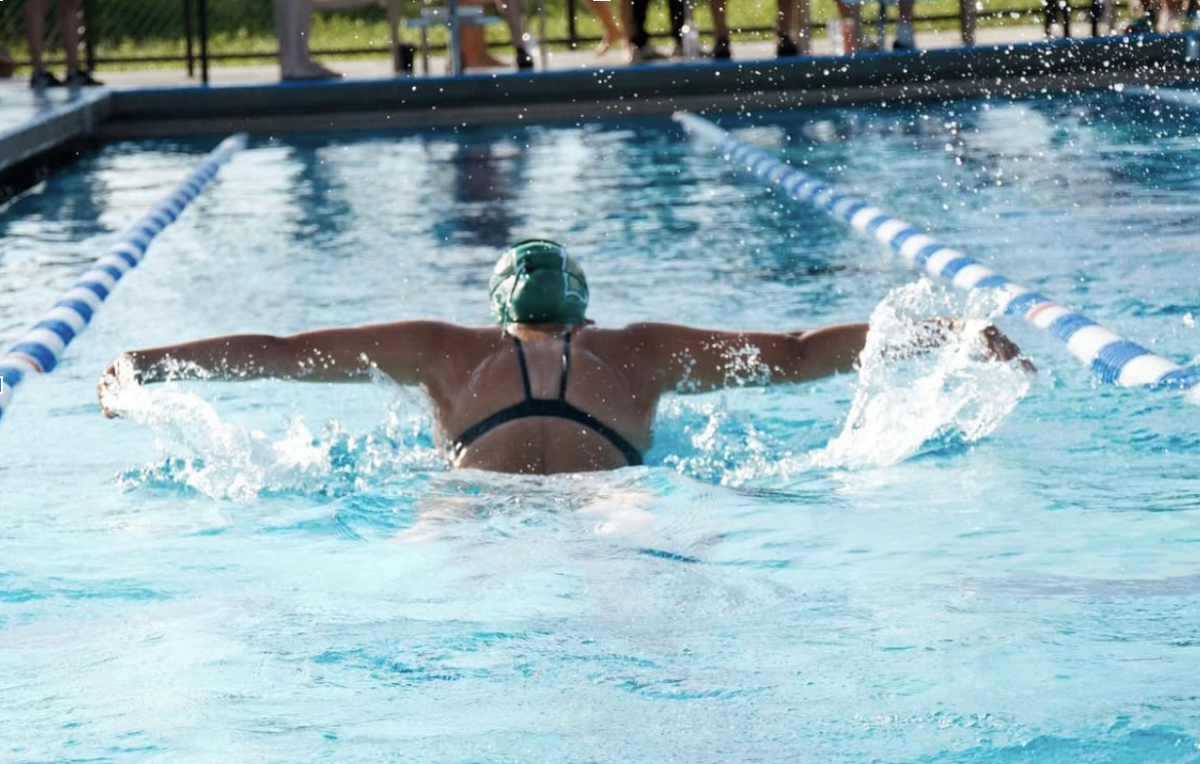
(550, 392)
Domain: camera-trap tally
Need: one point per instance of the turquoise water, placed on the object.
(985, 568)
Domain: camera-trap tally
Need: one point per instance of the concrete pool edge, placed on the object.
(52, 138)
(1001, 70)
(56, 136)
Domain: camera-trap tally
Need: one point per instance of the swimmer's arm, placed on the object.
(243, 357)
(401, 350)
(698, 360)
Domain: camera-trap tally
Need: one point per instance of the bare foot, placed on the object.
(605, 45)
(612, 38)
(487, 62)
(311, 70)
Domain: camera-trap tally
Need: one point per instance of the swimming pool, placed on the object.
(225, 581)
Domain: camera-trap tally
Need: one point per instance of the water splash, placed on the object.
(225, 460)
(708, 441)
(936, 402)
(933, 401)
(1193, 396)
(612, 504)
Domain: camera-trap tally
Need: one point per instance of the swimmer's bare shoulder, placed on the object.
(423, 352)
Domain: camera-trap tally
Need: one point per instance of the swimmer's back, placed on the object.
(484, 377)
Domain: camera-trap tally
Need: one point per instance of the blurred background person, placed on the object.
(69, 22)
(906, 38)
(847, 33)
(640, 49)
(6, 63)
(473, 47)
(612, 34)
(293, 24)
(786, 19)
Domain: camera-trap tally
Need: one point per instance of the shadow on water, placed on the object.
(485, 182)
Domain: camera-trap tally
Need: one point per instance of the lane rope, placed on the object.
(1184, 98)
(40, 349)
(1115, 359)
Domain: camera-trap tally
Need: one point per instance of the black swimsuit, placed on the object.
(550, 407)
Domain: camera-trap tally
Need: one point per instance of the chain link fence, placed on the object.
(130, 33)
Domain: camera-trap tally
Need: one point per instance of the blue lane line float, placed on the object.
(1115, 359)
(39, 350)
(1184, 98)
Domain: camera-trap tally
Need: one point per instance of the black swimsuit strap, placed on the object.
(548, 407)
(524, 369)
(566, 367)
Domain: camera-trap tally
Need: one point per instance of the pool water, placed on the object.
(942, 561)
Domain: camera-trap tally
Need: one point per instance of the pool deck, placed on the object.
(36, 129)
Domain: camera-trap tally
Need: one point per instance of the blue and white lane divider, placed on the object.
(1116, 359)
(41, 347)
(1186, 98)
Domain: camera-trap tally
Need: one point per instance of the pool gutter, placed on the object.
(53, 137)
(60, 132)
(568, 96)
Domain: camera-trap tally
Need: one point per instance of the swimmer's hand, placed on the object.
(997, 346)
(994, 345)
(118, 376)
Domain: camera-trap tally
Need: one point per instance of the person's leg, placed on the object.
(637, 15)
(785, 22)
(6, 63)
(293, 20)
(511, 11)
(1148, 21)
(303, 26)
(303, 23)
(1174, 20)
(35, 30)
(1100, 14)
(905, 36)
(68, 23)
(627, 21)
(848, 16)
(640, 49)
(720, 28)
(720, 49)
(599, 9)
(678, 16)
(472, 47)
(289, 56)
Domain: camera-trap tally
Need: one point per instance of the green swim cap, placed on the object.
(537, 282)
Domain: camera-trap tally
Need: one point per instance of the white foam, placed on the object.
(900, 407)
